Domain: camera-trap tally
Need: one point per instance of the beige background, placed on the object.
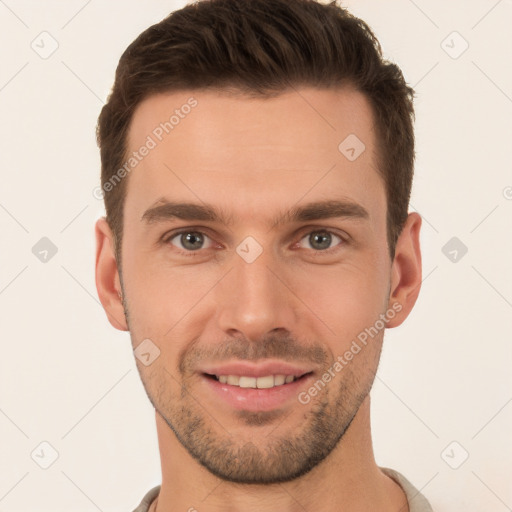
(69, 379)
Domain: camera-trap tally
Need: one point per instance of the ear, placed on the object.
(406, 271)
(108, 283)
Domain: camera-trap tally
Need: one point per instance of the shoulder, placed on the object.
(417, 502)
(148, 499)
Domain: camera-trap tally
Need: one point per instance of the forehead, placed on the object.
(252, 155)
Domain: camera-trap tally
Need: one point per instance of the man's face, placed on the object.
(293, 295)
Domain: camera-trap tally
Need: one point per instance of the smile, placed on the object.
(266, 382)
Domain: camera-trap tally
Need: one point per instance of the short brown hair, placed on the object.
(261, 48)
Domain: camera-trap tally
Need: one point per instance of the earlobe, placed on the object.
(107, 276)
(406, 271)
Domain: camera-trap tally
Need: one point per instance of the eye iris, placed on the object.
(191, 237)
(326, 236)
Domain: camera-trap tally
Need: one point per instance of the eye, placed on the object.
(321, 240)
(189, 241)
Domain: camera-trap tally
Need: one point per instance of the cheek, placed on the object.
(347, 299)
(162, 297)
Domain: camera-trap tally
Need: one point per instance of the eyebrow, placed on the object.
(164, 210)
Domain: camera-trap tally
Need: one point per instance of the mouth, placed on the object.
(256, 388)
(264, 382)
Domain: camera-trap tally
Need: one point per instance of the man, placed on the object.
(257, 160)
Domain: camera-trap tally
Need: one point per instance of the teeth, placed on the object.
(247, 382)
(279, 380)
(269, 381)
(265, 382)
(233, 380)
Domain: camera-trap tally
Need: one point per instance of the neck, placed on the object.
(347, 480)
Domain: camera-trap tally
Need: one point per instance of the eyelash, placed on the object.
(170, 236)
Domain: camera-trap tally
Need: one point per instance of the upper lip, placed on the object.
(262, 369)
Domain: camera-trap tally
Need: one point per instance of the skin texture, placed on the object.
(299, 302)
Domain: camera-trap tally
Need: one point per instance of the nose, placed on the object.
(257, 298)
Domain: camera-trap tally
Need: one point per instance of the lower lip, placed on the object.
(252, 399)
